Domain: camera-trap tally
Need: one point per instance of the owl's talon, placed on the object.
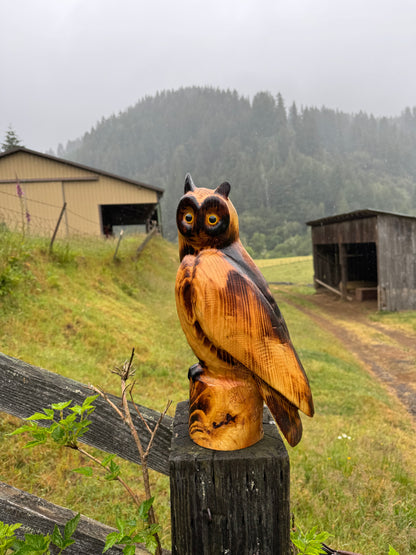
(195, 371)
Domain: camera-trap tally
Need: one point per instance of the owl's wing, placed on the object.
(237, 317)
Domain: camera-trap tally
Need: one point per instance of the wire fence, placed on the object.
(21, 212)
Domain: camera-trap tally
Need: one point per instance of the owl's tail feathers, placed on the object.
(285, 413)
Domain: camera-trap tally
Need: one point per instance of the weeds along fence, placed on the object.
(228, 502)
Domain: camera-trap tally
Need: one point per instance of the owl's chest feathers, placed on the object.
(190, 283)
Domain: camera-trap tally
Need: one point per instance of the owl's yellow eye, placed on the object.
(212, 219)
(189, 217)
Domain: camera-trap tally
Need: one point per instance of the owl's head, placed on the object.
(206, 218)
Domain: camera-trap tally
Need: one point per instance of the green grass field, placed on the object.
(297, 269)
(79, 314)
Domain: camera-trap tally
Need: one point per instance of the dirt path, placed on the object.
(389, 354)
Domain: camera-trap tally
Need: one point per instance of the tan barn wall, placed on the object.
(84, 200)
(43, 201)
(47, 183)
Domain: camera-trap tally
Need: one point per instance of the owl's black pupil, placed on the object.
(212, 219)
(188, 217)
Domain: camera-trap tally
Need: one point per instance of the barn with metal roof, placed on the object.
(367, 254)
(35, 188)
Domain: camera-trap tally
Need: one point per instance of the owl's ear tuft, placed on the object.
(223, 189)
(189, 184)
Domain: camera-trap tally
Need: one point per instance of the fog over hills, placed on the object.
(286, 164)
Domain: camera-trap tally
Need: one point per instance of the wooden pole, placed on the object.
(333, 289)
(147, 239)
(344, 268)
(57, 226)
(120, 237)
(229, 501)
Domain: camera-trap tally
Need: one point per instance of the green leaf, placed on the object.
(111, 477)
(125, 540)
(129, 549)
(300, 544)
(151, 544)
(40, 416)
(85, 470)
(69, 420)
(107, 459)
(34, 442)
(113, 471)
(7, 537)
(154, 529)
(34, 544)
(56, 537)
(58, 434)
(140, 537)
(121, 524)
(112, 539)
(144, 508)
(392, 551)
(90, 399)
(23, 429)
(61, 406)
(71, 526)
(8, 529)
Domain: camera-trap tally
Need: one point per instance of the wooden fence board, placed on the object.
(39, 517)
(26, 389)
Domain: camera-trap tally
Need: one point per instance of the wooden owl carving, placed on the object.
(235, 329)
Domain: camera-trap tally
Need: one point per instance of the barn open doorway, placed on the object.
(362, 263)
(131, 218)
(350, 268)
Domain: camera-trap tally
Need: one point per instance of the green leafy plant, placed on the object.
(64, 431)
(36, 544)
(310, 542)
(127, 535)
(313, 542)
(68, 422)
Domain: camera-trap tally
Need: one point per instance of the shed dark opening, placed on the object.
(136, 216)
(356, 264)
(362, 263)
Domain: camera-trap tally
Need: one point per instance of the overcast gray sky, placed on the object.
(66, 63)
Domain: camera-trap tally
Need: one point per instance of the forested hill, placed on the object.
(286, 164)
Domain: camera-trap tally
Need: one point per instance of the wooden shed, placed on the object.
(367, 254)
(34, 188)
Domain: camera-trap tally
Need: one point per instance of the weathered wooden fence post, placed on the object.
(229, 502)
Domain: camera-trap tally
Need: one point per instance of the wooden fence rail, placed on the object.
(231, 502)
(25, 389)
(39, 517)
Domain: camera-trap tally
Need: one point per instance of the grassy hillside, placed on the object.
(79, 314)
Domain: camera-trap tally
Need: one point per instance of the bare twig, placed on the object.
(125, 373)
(106, 398)
(138, 411)
(154, 431)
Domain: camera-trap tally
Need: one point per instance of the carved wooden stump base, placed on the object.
(225, 411)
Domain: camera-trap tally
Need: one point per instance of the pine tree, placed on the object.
(11, 141)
